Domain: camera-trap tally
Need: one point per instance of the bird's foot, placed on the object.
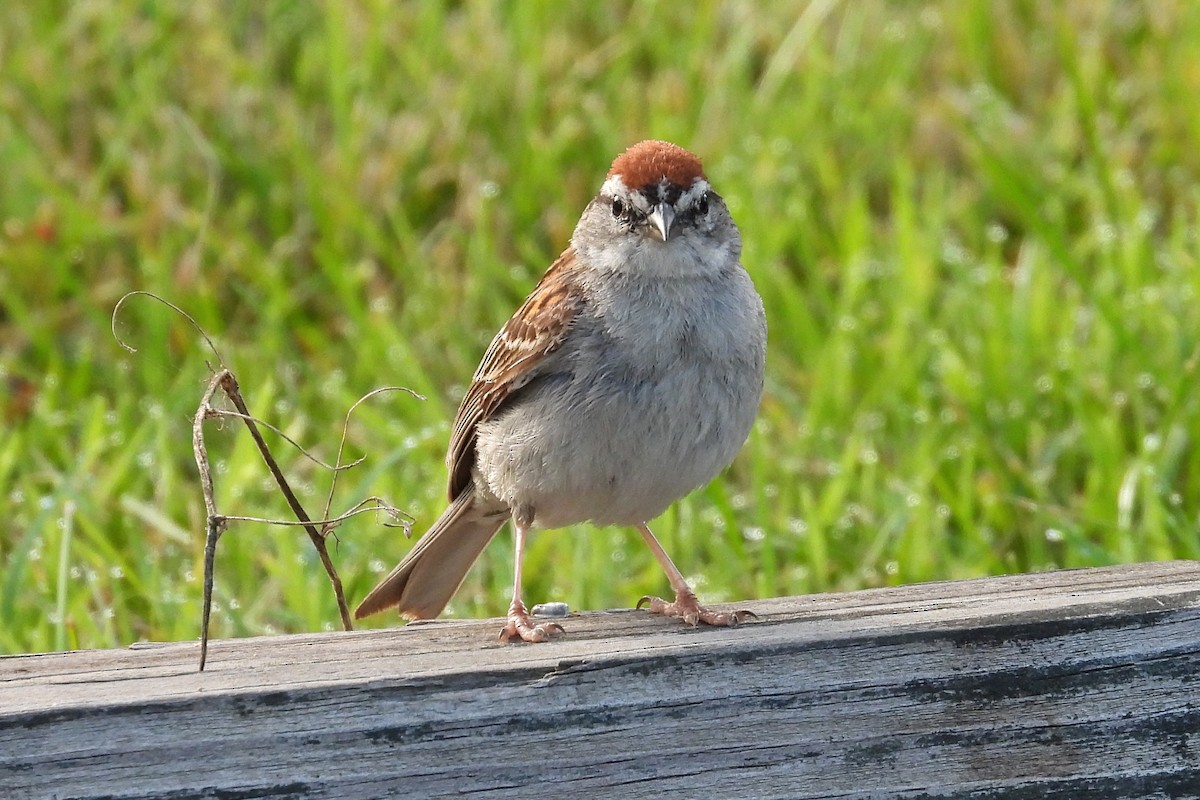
(521, 626)
(687, 608)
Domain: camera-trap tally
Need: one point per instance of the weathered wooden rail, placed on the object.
(1079, 684)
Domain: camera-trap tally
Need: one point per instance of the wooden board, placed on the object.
(1076, 684)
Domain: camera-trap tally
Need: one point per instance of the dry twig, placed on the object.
(224, 381)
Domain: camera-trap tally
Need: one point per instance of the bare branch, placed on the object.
(216, 525)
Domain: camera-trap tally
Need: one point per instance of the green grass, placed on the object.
(974, 226)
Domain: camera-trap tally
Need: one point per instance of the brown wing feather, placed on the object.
(536, 330)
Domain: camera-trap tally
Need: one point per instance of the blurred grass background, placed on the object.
(973, 225)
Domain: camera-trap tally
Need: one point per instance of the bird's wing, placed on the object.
(514, 357)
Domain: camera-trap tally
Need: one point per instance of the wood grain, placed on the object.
(1076, 684)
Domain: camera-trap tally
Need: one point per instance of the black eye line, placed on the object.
(626, 212)
(623, 210)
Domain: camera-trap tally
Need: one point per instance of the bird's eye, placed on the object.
(618, 207)
(702, 204)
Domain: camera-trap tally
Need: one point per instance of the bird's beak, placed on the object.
(662, 217)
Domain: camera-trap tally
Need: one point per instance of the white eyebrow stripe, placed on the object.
(698, 190)
(615, 187)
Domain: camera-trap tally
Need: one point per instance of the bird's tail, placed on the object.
(431, 573)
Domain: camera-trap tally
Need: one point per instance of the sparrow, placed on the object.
(628, 378)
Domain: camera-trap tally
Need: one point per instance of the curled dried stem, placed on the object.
(117, 309)
(346, 431)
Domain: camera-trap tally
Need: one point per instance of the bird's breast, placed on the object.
(644, 402)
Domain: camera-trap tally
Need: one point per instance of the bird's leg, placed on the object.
(686, 606)
(520, 625)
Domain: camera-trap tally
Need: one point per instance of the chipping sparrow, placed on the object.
(629, 377)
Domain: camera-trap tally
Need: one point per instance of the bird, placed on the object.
(629, 377)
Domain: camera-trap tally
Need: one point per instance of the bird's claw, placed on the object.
(521, 626)
(687, 608)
